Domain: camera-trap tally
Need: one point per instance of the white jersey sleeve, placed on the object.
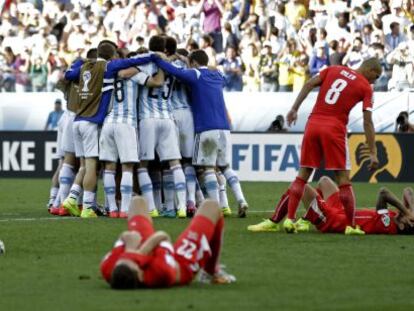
(141, 78)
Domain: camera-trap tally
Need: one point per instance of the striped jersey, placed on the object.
(179, 96)
(155, 102)
(124, 108)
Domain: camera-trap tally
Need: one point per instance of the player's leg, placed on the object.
(110, 188)
(156, 178)
(191, 181)
(147, 138)
(138, 218)
(169, 193)
(179, 187)
(223, 199)
(346, 193)
(223, 162)
(54, 196)
(313, 213)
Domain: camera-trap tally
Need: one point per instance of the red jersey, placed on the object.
(341, 89)
(376, 222)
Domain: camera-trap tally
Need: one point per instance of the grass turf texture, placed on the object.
(54, 264)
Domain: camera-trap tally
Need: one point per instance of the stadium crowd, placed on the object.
(261, 45)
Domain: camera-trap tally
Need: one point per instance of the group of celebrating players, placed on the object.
(161, 114)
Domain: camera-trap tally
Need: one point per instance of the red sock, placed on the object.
(296, 190)
(212, 264)
(346, 194)
(281, 208)
(312, 216)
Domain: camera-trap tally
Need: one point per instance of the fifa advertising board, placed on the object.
(266, 157)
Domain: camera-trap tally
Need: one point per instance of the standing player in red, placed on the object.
(341, 88)
(144, 258)
(327, 213)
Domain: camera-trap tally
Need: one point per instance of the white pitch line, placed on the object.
(77, 218)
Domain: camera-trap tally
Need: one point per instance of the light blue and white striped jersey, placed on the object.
(155, 102)
(179, 96)
(124, 109)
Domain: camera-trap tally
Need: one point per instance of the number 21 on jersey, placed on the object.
(334, 92)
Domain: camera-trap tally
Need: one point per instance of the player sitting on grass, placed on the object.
(144, 258)
(327, 213)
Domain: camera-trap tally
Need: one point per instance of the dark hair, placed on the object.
(139, 38)
(106, 51)
(92, 54)
(183, 52)
(208, 39)
(131, 54)
(157, 44)
(193, 44)
(123, 277)
(200, 57)
(142, 50)
(170, 45)
(333, 44)
(393, 24)
(108, 42)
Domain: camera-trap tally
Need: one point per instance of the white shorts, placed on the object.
(61, 129)
(185, 125)
(68, 145)
(118, 140)
(85, 136)
(159, 135)
(212, 148)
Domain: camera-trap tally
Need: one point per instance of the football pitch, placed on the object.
(52, 263)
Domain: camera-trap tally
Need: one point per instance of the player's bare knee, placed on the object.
(138, 206)
(383, 191)
(210, 209)
(323, 181)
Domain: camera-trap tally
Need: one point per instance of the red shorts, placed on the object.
(325, 141)
(336, 220)
(192, 248)
(139, 224)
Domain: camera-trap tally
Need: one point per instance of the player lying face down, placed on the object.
(144, 258)
(327, 213)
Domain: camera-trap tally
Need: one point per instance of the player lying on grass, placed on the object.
(327, 212)
(144, 258)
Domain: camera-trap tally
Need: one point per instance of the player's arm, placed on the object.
(304, 92)
(73, 73)
(153, 241)
(128, 73)
(385, 197)
(185, 75)
(156, 80)
(370, 138)
(117, 65)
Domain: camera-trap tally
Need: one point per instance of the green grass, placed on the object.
(54, 264)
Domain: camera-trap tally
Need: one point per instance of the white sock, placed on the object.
(110, 189)
(180, 186)
(88, 199)
(53, 193)
(190, 177)
(145, 185)
(66, 176)
(199, 194)
(224, 202)
(210, 182)
(126, 191)
(169, 191)
(56, 201)
(75, 191)
(156, 188)
(234, 183)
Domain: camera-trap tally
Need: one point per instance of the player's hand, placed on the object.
(161, 55)
(132, 239)
(291, 117)
(373, 162)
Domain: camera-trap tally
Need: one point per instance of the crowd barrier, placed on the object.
(254, 156)
(252, 112)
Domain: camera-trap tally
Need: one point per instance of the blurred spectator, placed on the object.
(300, 71)
(268, 69)
(212, 10)
(381, 84)
(319, 61)
(251, 60)
(394, 38)
(207, 45)
(232, 67)
(402, 123)
(296, 13)
(355, 56)
(286, 61)
(38, 74)
(278, 125)
(336, 54)
(402, 68)
(54, 116)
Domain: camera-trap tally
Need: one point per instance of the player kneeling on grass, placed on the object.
(145, 258)
(327, 212)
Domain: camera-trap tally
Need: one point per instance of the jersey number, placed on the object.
(119, 91)
(187, 249)
(335, 91)
(166, 89)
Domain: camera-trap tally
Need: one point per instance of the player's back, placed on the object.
(154, 102)
(124, 105)
(179, 96)
(376, 222)
(341, 89)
